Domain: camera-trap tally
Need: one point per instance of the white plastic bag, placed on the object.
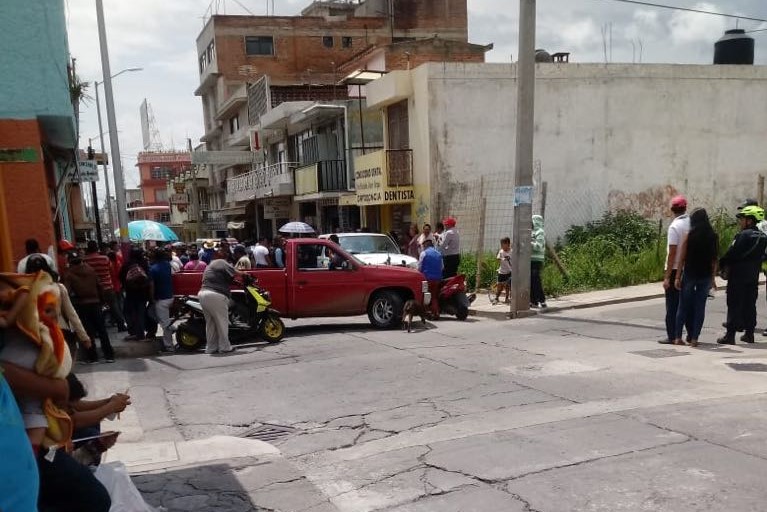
(125, 497)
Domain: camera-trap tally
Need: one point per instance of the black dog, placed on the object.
(412, 308)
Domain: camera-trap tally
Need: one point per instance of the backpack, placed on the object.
(136, 278)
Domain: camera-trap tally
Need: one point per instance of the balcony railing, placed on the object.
(399, 167)
(323, 176)
(273, 180)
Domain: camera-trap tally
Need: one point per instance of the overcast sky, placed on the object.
(159, 36)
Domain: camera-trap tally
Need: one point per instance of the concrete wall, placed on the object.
(33, 60)
(607, 137)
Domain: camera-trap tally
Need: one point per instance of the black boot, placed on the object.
(748, 337)
(727, 339)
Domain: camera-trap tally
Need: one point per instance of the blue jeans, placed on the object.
(692, 306)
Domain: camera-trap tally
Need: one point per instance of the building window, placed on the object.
(206, 57)
(161, 196)
(162, 217)
(161, 173)
(259, 45)
(346, 42)
(234, 124)
(327, 41)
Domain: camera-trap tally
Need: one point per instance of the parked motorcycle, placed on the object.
(250, 315)
(453, 299)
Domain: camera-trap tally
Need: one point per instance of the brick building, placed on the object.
(156, 169)
(250, 65)
(38, 188)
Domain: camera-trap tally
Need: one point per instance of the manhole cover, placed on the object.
(659, 353)
(268, 433)
(748, 367)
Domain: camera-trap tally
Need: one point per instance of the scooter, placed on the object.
(250, 315)
(453, 299)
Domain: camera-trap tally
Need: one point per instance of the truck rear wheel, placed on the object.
(385, 310)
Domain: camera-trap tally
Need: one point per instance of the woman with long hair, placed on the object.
(697, 269)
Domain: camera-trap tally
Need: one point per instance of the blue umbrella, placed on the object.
(142, 230)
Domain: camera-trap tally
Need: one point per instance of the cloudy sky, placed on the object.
(159, 36)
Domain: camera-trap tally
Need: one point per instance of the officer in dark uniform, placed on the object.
(742, 264)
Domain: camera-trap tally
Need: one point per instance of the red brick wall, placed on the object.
(448, 18)
(300, 55)
(25, 202)
(402, 56)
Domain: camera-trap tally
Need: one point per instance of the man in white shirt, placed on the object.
(261, 253)
(33, 247)
(677, 231)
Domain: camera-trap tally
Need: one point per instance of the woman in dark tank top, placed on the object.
(695, 277)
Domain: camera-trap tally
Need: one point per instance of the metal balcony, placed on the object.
(323, 176)
(271, 181)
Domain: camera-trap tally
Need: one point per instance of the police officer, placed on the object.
(742, 264)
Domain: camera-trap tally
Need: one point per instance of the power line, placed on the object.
(688, 9)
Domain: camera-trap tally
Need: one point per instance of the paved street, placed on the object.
(570, 411)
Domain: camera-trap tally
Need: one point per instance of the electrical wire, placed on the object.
(688, 9)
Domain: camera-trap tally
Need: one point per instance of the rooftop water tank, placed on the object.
(735, 47)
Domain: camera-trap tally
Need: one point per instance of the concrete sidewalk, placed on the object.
(483, 308)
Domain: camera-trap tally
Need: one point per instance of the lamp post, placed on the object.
(101, 142)
(114, 143)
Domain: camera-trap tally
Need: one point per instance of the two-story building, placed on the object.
(156, 170)
(277, 86)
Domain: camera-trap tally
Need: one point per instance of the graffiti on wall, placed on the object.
(651, 203)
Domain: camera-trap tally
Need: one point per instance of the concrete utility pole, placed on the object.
(523, 162)
(122, 209)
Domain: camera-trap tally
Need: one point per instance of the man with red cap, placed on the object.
(677, 232)
(450, 248)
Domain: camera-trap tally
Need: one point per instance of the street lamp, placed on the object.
(101, 137)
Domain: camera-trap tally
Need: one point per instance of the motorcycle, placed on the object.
(250, 315)
(453, 299)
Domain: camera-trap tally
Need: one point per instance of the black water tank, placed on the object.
(735, 47)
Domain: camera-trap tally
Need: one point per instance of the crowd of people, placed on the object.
(693, 263)
(50, 436)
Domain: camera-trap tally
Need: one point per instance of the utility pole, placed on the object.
(122, 211)
(104, 165)
(523, 162)
(195, 199)
(95, 199)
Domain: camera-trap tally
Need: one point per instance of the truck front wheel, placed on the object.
(385, 310)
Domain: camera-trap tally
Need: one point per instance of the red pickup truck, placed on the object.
(313, 284)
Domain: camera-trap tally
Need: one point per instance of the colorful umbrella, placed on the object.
(143, 230)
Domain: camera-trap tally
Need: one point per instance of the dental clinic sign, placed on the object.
(371, 183)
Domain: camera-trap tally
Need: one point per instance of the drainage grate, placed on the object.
(748, 367)
(268, 432)
(659, 353)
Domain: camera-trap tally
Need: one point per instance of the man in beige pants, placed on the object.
(214, 299)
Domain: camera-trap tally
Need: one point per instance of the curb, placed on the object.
(504, 315)
(135, 349)
(160, 456)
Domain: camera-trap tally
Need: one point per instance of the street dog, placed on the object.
(412, 308)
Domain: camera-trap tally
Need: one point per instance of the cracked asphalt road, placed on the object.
(574, 411)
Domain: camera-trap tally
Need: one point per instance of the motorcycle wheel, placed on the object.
(272, 329)
(461, 306)
(188, 340)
